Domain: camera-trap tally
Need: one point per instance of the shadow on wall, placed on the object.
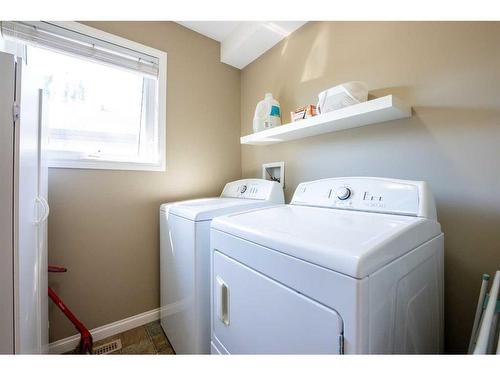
(456, 151)
(402, 92)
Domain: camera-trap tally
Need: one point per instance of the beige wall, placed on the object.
(104, 224)
(449, 73)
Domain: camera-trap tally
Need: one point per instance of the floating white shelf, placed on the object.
(382, 109)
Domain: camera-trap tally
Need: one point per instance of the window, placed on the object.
(95, 112)
(103, 99)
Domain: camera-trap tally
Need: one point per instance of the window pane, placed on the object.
(93, 109)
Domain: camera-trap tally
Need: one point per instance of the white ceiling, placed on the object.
(217, 30)
(243, 41)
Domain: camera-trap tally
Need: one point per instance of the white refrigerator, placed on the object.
(24, 212)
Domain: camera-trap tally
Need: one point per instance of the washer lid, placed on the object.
(208, 208)
(351, 242)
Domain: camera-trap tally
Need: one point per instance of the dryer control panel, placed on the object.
(254, 188)
(383, 195)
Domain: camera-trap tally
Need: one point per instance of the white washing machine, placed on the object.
(352, 265)
(185, 258)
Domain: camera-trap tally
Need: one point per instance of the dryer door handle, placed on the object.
(223, 305)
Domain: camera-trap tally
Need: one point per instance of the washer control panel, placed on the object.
(366, 194)
(254, 188)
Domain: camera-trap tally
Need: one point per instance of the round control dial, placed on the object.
(343, 193)
(243, 189)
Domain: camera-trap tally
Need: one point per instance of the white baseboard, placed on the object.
(99, 333)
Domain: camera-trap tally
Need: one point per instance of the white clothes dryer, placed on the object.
(352, 265)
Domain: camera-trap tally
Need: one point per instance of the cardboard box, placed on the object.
(303, 112)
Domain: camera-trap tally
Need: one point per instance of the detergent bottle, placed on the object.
(267, 114)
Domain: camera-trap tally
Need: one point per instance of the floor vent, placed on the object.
(109, 347)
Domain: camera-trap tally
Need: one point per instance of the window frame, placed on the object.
(160, 166)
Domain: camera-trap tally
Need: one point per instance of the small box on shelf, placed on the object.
(303, 113)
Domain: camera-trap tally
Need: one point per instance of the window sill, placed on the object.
(108, 165)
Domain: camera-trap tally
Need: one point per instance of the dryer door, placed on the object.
(253, 314)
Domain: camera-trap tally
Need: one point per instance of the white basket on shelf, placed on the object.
(341, 96)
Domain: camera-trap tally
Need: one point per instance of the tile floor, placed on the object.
(146, 339)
